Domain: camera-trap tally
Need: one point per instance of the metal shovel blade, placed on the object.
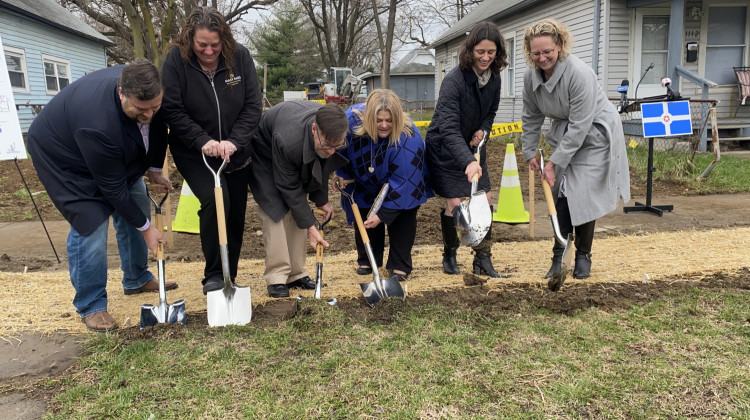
(229, 306)
(171, 314)
(556, 282)
(473, 218)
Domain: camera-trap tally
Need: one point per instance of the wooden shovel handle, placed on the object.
(476, 175)
(219, 199)
(360, 223)
(319, 250)
(319, 212)
(548, 196)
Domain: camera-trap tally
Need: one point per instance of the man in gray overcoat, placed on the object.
(293, 153)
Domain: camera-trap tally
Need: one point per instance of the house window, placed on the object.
(15, 60)
(56, 74)
(725, 42)
(509, 73)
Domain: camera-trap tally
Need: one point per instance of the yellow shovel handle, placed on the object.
(360, 224)
(548, 197)
(219, 199)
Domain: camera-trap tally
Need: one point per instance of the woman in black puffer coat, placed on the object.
(465, 111)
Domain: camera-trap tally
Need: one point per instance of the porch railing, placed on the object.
(704, 85)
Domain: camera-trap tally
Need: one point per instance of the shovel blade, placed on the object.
(371, 293)
(392, 288)
(473, 219)
(172, 314)
(229, 306)
(556, 282)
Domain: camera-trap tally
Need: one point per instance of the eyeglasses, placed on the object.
(546, 53)
(326, 145)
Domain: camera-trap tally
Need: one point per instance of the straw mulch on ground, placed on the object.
(42, 301)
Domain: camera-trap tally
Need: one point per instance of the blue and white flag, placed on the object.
(665, 119)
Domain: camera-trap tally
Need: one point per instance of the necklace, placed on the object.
(371, 168)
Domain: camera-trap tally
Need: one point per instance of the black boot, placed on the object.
(483, 257)
(450, 244)
(557, 253)
(583, 241)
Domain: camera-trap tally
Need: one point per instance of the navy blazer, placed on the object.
(88, 153)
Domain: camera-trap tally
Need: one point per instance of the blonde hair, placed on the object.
(383, 100)
(553, 29)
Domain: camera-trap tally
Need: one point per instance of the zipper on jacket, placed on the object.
(216, 96)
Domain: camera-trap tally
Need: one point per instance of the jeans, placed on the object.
(87, 258)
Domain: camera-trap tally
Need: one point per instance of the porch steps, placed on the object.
(733, 129)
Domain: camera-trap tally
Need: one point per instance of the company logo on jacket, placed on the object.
(233, 80)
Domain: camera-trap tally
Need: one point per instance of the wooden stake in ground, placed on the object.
(531, 203)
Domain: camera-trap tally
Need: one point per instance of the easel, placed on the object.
(658, 210)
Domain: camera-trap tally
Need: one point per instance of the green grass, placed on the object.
(730, 175)
(680, 357)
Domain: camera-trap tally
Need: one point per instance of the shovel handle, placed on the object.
(360, 223)
(160, 228)
(219, 199)
(319, 250)
(548, 197)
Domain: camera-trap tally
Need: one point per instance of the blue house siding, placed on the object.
(37, 39)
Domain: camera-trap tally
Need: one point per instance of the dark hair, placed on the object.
(210, 19)
(331, 120)
(480, 32)
(141, 80)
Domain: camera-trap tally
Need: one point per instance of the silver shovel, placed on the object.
(378, 289)
(555, 283)
(473, 216)
(163, 313)
(231, 305)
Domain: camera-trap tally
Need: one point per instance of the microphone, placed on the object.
(650, 66)
(623, 90)
(671, 94)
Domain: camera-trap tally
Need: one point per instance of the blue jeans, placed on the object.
(87, 258)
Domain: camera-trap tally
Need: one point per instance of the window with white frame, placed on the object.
(56, 73)
(726, 42)
(509, 73)
(15, 60)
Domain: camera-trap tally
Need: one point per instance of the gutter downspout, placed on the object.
(595, 47)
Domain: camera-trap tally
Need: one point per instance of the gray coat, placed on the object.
(585, 133)
(285, 167)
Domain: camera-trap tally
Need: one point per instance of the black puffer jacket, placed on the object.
(462, 109)
(191, 99)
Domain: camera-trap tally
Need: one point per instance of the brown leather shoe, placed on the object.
(151, 286)
(100, 322)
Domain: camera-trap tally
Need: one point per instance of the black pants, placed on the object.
(401, 234)
(584, 234)
(234, 188)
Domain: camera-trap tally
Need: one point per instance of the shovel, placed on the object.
(319, 254)
(473, 217)
(555, 283)
(231, 305)
(378, 289)
(163, 313)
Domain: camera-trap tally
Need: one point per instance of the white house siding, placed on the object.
(578, 16)
(37, 39)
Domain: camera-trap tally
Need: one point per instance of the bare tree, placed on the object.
(338, 24)
(387, 44)
(426, 19)
(145, 28)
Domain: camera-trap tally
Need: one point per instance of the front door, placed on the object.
(651, 47)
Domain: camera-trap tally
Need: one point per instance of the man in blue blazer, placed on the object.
(91, 145)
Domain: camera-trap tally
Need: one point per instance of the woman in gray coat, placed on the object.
(588, 168)
(469, 97)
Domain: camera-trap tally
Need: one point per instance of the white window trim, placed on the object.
(56, 60)
(20, 53)
(506, 82)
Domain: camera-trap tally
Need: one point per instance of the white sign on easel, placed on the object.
(11, 138)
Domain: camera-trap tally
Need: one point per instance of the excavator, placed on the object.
(344, 86)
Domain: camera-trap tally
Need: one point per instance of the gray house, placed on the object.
(414, 83)
(46, 48)
(620, 39)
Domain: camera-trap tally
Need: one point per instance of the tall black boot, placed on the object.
(483, 257)
(557, 253)
(583, 241)
(450, 243)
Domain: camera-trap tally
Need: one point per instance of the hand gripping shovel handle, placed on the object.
(550, 200)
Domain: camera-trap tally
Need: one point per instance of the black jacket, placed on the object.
(285, 166)
(195, 106)
(88, 153)
(462, 109)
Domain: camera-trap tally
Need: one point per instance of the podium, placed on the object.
(658, 210)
